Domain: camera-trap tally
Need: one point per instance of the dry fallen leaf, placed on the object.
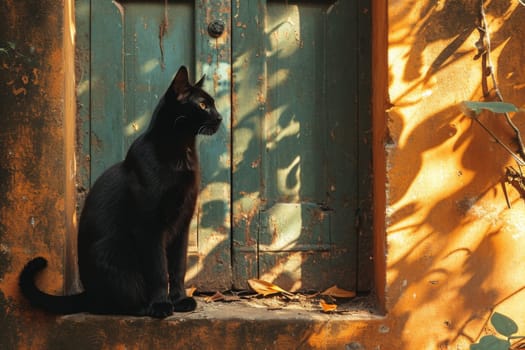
(190, 291)
(266, 288)
(314, 295)
(218, 296)
(337, 292)
(327, 307)
(215, 297)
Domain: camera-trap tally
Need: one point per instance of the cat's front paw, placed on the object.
(186, 304)
(160, 310)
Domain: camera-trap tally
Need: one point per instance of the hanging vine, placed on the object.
(513, 176)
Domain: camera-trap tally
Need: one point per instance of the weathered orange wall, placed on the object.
(448, 249)
(454, 250)
(32, 158)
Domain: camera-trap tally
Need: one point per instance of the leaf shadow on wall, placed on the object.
(447, 204)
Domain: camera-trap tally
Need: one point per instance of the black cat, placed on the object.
(133, 230)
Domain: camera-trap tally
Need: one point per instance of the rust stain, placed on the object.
(247, 218)
(216, 80)
(18, 91)
(163, 29)
(18, 70)
(274, 229)
(256, 163)
(317, 216)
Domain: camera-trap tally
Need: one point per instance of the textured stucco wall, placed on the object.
(31, 157)
(454, 250)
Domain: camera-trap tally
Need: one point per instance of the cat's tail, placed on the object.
(67, 304)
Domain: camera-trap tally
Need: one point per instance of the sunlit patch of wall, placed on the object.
(447, 216)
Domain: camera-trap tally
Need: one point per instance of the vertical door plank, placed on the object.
(342, 145)
(295, 124)
(210, 263)
(107, 79)
(306, 184)
(248, 104)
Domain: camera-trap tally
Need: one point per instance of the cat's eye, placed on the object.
(202, 105)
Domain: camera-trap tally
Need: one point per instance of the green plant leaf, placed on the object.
(496, 107)
(503, 324)
(490, 342)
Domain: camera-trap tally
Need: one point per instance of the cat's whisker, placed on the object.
(178, 118)
(201, 129)
(208, 129)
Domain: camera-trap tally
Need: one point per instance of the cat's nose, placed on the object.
(219, 118)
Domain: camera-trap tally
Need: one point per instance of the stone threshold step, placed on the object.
(216, 326)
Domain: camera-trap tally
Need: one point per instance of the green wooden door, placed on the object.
(284, 179)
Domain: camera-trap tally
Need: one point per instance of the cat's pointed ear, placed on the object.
(200, 82)
(180, 84)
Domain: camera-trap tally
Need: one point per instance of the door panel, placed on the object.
(209, 265)
(295, 143)
(249, 87)
(137, 48)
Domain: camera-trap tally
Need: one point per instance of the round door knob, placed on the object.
(216, 28)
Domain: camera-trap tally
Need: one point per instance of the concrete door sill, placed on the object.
(215, 325)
